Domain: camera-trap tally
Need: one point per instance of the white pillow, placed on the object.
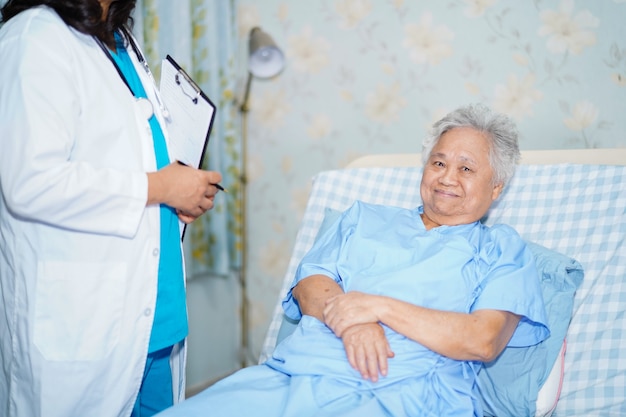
(551, 390)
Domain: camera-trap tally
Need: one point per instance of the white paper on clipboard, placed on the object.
(191, 114)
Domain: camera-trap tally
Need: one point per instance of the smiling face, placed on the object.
(457, 184)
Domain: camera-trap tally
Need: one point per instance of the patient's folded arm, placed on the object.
(312, 293)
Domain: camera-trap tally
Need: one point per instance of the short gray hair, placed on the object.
(500, 130)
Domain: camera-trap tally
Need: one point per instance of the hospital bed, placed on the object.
(572, 203)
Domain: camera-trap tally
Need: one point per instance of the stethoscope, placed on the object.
(144, 104)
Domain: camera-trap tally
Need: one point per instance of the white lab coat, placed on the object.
(79, 250)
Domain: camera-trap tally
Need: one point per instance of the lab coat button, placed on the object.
(155, 252)
(147, 312)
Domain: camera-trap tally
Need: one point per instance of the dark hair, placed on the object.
(82, 15)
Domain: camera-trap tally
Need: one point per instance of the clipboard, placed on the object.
(189, 114)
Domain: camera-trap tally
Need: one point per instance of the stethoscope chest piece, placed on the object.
(145, 107)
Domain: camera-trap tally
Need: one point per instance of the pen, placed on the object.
(218, 186)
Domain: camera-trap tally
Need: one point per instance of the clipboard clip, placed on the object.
(189, 81)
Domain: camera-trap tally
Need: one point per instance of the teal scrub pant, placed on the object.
(155, 393)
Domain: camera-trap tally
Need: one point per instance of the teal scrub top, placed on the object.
(170, 321)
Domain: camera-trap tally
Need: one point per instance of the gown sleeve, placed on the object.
(323, 257)
(512, 284)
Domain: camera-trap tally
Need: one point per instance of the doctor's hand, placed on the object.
(185, 218)
(188, 190)
(367, 350)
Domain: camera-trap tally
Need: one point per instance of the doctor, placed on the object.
(92, 299)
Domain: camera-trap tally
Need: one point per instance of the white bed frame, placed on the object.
(607, 156)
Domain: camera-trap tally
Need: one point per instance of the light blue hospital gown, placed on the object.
(386, 250)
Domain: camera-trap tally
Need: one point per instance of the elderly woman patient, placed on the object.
(399, 307)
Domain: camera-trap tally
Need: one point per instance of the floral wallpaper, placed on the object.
(370, 76)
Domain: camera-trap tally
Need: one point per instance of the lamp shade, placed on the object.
(266, 60)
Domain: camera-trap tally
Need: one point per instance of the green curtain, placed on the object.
(201, 36)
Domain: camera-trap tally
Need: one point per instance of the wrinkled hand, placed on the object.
(367, 350)
(346, 310)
